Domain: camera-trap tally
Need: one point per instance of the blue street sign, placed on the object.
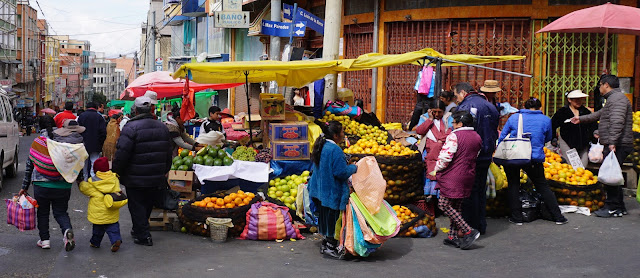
(280, 29)
(313, 21)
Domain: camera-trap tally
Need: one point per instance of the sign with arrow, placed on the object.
(313, 22)
(283, 29)
(231, 20)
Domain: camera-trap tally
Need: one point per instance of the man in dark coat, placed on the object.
(486, 119)
(94, 135)
(615, 129)
(142, 159)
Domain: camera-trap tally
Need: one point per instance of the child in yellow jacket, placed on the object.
(105, 203)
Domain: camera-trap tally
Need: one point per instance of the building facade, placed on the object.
(8, 46)
(29, 46)
(52, 73)
(163, 38)
(107, 80)
(558, 62)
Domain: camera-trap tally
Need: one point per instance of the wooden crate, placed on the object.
(162, 219)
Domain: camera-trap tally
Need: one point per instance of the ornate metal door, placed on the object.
(358, 40)
(479, 37)
(565, 62)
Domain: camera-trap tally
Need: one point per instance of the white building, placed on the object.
(120, 81)
(105, 79)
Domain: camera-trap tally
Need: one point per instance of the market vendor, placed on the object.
(573, 136)
(212, 123)
(179, 136)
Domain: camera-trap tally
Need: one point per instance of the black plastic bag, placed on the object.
(530, 206)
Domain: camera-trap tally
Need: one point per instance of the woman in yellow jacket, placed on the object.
(104, 205)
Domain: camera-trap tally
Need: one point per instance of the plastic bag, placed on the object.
(610, 172)
(638, 192)
(369, 183)
(361, 246)
(595, 153)
(383, 223)
(530, 204)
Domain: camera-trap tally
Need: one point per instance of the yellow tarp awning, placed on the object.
(300, 73)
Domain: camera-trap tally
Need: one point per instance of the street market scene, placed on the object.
(357, 138)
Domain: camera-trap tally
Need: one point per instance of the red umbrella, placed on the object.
(162, 83)
(603, 19)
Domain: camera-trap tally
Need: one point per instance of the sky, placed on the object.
(112, 26)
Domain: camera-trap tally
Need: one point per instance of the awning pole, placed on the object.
(246, 88)
(483, 67)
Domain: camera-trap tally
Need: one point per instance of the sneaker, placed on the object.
(93, 245)
(624, 211)
(69, 243)
(516, 222)
(468, 239)
(44, 244)
(116, 246)
(562, 221)
(606, 213)
(455, 242)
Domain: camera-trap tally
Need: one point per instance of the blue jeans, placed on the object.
(112, 230)
(52, 199)
(88, 165)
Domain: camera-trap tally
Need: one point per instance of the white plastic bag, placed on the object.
(595, 153)
(610, 172)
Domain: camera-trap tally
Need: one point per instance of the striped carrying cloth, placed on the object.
(42, 161)
(267, 221)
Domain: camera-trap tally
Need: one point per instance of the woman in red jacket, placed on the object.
(456, 170)
(434, 131)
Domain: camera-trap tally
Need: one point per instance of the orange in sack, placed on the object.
(369, 183)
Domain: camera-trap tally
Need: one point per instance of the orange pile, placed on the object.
(232, 200)
(564, 173)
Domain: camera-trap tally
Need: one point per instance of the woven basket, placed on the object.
(218, 228)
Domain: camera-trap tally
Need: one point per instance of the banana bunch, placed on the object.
(389, 126)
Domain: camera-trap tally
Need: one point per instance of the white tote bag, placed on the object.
(610, 172)
(514, 151)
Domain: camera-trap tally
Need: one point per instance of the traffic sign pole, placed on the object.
(293, 22)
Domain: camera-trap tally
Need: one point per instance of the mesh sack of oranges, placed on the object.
(404, 177)
(409, 216)
(221, 205)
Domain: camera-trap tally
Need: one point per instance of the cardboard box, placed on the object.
(294, 131)
(290, 150)
(345, 95)
(181, 181)
(272, 107)
(255, 121)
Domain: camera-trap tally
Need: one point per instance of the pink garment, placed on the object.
(432, 147)
(425, 82)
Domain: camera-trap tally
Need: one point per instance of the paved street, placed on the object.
(586, 247)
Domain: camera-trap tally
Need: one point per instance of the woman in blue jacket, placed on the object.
(538, 127)
(328, 186)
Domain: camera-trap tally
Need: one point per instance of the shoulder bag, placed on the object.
(514, 151)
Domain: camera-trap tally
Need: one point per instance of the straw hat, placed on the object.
(576, 94)
(490, 86)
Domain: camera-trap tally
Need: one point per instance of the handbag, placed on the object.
(514, 151)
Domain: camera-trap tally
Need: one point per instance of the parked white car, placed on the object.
(9, 138)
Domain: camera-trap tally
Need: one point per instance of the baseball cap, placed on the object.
(142, 102)
(153, 96)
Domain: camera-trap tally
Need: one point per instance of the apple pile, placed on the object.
(285, 189)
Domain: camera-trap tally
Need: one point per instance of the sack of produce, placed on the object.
(589, 196)
(218, 205)
(415, 222)
(267, 221)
